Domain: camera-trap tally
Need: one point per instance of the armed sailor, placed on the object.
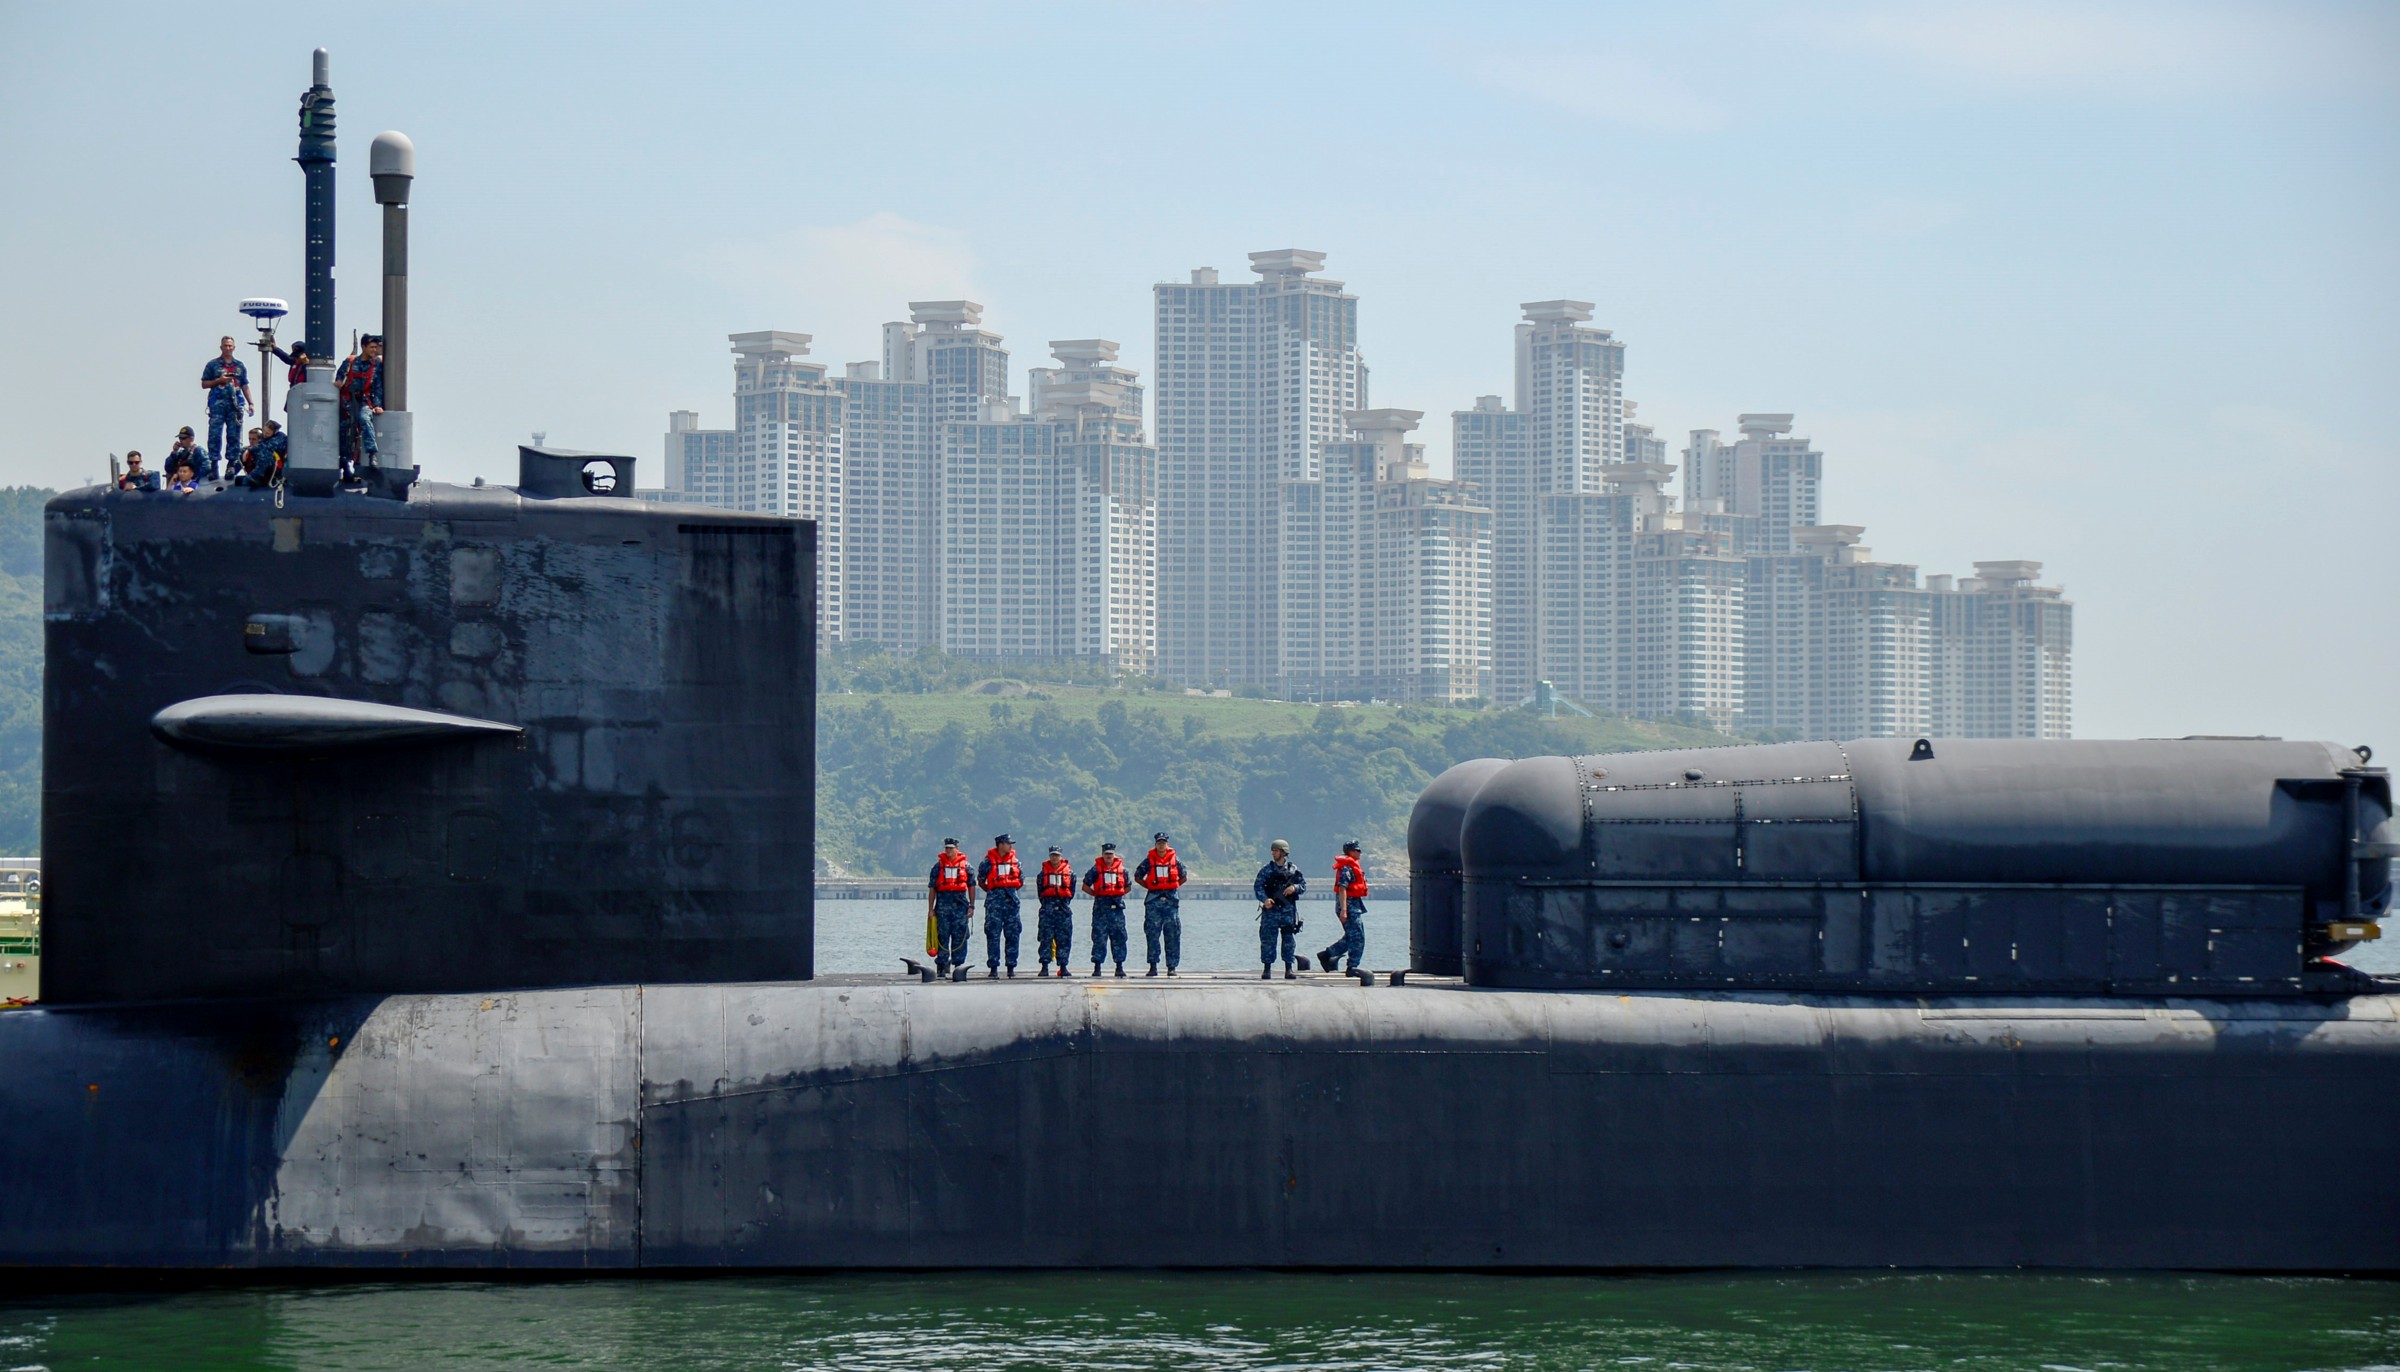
(1160, 877)
(1001, 876)
(1106, 883)
(1278, 890)
(1350, 907)
(1054, 936)
(950, 901)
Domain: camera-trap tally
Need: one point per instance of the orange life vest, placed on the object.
(952, 875)
(1162, 874)
(1057, 880)
(1349, 878)
(1109, 879)
(1007, 873)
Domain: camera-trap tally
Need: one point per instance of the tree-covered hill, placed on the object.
(898, 773)
(21, 668)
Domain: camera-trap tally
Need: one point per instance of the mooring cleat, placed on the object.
(1400, 978)
(959, 976)
(1364, 978)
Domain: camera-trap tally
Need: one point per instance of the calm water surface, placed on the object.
(1956, 1323)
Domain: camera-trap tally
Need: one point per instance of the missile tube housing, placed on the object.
(1953, 866)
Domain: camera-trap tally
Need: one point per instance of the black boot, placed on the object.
(1324, 962)
(1012, 974)
(1153, 970)
(1120, 969)
(1267, 973)
(1287, 972)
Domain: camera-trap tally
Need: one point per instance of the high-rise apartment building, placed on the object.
(1386, 574)
(1842, 646)
(1571, 386)
(945, 347)
(1048, 522)
(891, 479)
(1490, 450)
(1767, 475)
(787, 421)
(1567, 428)
(1253, 380)
(700, 462)
(1643, 605)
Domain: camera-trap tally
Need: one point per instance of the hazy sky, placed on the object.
(2114, 287)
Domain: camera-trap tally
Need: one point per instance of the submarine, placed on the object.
(428, 883)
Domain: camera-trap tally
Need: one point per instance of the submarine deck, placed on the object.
(1209, 1120)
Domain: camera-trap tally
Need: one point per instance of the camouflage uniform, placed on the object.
(953, 919)
(1001, 926)
(1282, 919)
(1054, 936)
(1108, 923)
(1162, 911)
(1352, 945)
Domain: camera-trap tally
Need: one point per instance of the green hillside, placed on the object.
(1076, 765)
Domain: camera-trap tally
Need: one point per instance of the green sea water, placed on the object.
(989, 1321)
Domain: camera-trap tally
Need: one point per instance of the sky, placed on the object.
(2111, 286)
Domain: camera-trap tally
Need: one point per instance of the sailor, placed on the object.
(360, 382)
(950, 902)
(1350, 907)
(297, 357)
(136, 477)
(227, 382)
(1278, 890)
(1106, 883)
(264, 462)
(186, 450)
(1054, 936)
(1001, 876)
(1160, 876)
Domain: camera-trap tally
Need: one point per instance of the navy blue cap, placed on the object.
(949, 843)
(1108, 847)
(1159, 837)
(998, 839)
(1351, 846)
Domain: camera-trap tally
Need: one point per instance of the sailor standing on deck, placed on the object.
(1350, 907)
(1278, 890)
(1001, 876)
(1106, 883)
(1160, 876)
(950, 900)
(1054, 936)
(227, 382)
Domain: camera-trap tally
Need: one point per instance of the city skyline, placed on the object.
(1283, 535)
(2102, 285)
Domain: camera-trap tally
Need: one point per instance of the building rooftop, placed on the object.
(1548, 311)
(770, 343)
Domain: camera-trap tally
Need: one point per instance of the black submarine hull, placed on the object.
(847, 1123)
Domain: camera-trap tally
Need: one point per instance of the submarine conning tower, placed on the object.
(1890, 866)
(472, 738)
(420, 737)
